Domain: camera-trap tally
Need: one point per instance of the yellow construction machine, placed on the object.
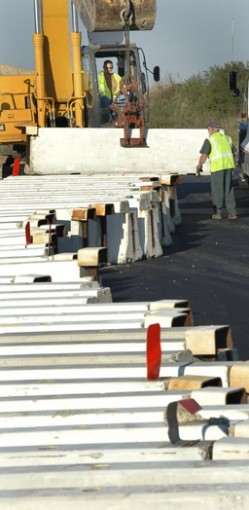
(55, 114)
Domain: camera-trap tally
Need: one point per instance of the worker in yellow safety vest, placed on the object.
(108, 83)
(219, 149)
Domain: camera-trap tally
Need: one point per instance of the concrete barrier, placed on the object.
(173, 150)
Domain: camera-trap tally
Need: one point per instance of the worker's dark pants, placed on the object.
(105, 101)
(222, 191)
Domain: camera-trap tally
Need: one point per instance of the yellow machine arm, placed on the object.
(60, 87)
(54, 95)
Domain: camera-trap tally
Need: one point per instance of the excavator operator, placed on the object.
(108, 83)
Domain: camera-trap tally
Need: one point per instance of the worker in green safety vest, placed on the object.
(219, 149)
(108, 83)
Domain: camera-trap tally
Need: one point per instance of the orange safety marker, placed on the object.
(27, 233)
(16, 167)
(153, 351)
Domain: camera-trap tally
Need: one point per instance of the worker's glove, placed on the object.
(199, 170)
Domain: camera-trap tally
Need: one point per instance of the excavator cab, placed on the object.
(108, 27)
(93, 58)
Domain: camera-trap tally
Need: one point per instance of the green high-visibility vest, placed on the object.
(221, 155)
(103, 87)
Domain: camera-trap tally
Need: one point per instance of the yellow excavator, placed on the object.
(55, 114)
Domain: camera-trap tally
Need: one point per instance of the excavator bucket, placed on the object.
(108, 15)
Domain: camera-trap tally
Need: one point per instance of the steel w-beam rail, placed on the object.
(26, 298)
(93, 372)
(77, 413)
(30, 300)
(200, 340)
(114, 435)
(60, 270)
(84, 283)
(28, 251)
(76, 321)
(143, 237)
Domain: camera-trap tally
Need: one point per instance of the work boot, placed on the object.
(216, 216)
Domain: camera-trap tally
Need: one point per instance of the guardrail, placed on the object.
(98, 406)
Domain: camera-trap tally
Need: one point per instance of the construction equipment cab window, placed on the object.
(105, 67)
(108, 83)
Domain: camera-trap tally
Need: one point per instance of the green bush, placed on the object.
(192, 103)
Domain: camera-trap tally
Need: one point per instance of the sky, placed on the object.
(189, 36)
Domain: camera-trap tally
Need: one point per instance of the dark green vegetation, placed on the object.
(192, 103)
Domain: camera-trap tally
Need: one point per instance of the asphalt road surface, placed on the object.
(207, 264)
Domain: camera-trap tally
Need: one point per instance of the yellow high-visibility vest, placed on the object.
(103, 87)
(221, 155)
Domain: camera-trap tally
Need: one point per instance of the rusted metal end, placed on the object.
(133, 142)
(129, 105)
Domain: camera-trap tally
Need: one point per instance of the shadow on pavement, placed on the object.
(207, 264)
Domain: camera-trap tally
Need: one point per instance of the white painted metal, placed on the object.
(29, 251)
(95, 319)
(45, 305)
(149, 234)
(59, 271)
(239, 375)
(21, 288)
(162, 319)
(110, 404)
(108, 456)
(108, 435)
(97, 410)
(131, 335)
(73, 326)
(26, 302)
(229, 448)
(123, 241)
(30, 278)
(128, 477)
(224, 497)
(241, 429)
(119, 373)
(214, 395)
(231, 412)
(134, 237)
(77, 414)
(13, 240)
(41, 388)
